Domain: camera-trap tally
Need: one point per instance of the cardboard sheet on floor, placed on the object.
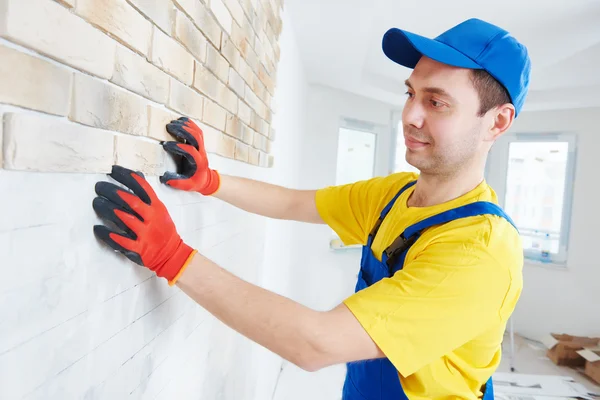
(513, 386)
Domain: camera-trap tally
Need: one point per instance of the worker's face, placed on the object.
(442, 129)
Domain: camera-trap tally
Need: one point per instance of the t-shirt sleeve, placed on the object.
(449, 294)
(351, 210)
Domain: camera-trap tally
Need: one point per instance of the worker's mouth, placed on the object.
(414, 144)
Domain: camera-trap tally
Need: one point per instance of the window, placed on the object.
(356, 158)
(538, 192)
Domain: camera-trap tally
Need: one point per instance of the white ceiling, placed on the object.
(340, 43)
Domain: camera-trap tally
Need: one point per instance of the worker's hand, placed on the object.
(195, 174)
(147, 233)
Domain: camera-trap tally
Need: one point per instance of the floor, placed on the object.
(296, 384)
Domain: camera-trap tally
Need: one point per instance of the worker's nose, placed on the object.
(413, 113)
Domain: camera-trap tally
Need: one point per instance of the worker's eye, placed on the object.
(436, 104)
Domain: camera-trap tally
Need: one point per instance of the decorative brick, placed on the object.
(272, 133)
(244, 112)
(230, 53)
(236, 83)
(234, 127)
(263, 159)
(214, 115)
(253, 156)
(172, 57)
(269, 146)
(158, 11)
(159, 117)
(226, 146)
(103, 105)
(34, 142)
(217, 63)
(245, 72)
(211, 137)
(247, 135)
(31, 82)
(1, 139)
(206, 82)
(120, 19)
(252, 60)
(227, 98)
(139, 155)
(238, 38)
(222, 14)
(264, 77)
(203, 19)
(136, 74)
(51, 29)
(260, 142)
(241, 151)
(190, 36)
(254, 102)
(255, 122)
(263, 128)
(236, 10)
(186, 100)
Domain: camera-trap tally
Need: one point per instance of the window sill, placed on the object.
(532, 262)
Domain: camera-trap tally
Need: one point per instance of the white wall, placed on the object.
(79, 321)
(564, 299)
(323, 278)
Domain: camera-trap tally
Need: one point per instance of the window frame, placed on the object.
(531, 256)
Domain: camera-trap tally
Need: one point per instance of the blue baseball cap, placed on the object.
(473, 44)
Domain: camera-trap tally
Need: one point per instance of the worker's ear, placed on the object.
(499, 120)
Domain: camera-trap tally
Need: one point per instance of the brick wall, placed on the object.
(88, 83)
(94, 82)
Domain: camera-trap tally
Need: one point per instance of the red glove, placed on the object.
(147, 233)
(195, 174)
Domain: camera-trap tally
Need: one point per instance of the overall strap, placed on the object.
(387, 209)
(412, 233)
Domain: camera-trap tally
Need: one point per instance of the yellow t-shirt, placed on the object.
(441, 319)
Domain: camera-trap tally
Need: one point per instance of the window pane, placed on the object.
(356, 156)
(400, 164)
(535, 191)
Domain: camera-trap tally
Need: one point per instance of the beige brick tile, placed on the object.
(236, 83)
(253, 156)
(120, 19)
(222, 14)
(206, 82)
(241, 151)
(226, 146)
(133, 72)
(230, 53)
(68, 3)
(234, 127)
(139, 155)
(227, 98)
(172, 57)
(33, 24)
(70, 147)
(236, 10)
(203, 19)
(211, 137)
(34, 83)
(186, 100)
(188, 34)
(247, 134)
(244, 112)
(214, 115)
(161, 12)
(159, 117)
(103, 105)
(216, 63)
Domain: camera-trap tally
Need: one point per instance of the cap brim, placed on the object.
(406, 49)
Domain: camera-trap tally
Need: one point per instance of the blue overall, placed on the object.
(378, 379)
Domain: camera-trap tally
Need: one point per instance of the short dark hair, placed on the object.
(491, 92)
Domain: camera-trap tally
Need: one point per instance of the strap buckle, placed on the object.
(398, 247)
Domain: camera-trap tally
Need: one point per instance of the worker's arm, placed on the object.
(253, 196)
(147, 236)
(307, 338)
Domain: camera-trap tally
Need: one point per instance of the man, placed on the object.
(442, 265)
